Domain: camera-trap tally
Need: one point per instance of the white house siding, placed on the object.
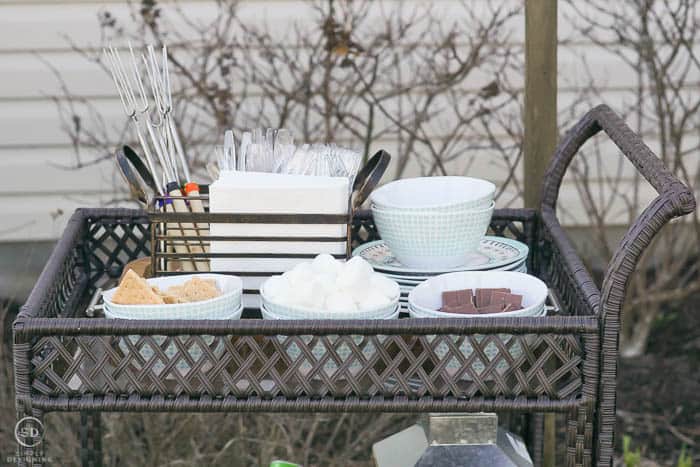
(37, 193)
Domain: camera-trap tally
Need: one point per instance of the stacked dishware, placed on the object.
(492, 254)
(436, 225)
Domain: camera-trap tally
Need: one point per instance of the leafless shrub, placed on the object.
(436, 90)
(657, 41)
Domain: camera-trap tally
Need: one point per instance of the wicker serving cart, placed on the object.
(65, 361)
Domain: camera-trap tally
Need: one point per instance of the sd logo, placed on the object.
(29, 432)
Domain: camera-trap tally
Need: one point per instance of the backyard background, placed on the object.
(437, 84)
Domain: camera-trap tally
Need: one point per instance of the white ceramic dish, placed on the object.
(492, 253)
(433, 240)
(426, 298)
(284, 311)
(224, 306)
(441, 193)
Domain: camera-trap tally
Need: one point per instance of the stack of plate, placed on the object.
(493, 254)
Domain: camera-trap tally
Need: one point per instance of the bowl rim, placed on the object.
(489, 190)
(423, 212)
(425, 284)
(238, 290)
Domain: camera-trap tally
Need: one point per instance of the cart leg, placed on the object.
(535, 433)
(579, 434)
(90, 439)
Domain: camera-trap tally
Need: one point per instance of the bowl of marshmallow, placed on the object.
(326, 288)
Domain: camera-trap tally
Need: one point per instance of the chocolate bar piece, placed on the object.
(485, 296)
(493, 308)
(453, 298)
(463, 309)
(512, 301)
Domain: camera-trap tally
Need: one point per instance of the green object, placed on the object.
(630, 457)
(283, 464)
(685, 460)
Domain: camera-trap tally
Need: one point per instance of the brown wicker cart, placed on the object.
(64, 361)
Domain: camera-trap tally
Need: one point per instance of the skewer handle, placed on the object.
(192, 191)
(182, 230)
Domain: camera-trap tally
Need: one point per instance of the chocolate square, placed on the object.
(486, 295)
(452, 298)
(463, 309)
(493, 308)
(514, 301)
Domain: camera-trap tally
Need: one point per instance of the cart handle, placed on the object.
(674, 200)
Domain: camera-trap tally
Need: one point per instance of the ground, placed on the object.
(659, 392)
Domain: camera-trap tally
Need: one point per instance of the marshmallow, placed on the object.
(277, 287)
(326, 264)
(300, 274)
(303, 295)
(373, 299)
(354, 274)
(340, 302)
(325, 284)
(384, 285)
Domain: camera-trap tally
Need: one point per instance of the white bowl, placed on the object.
(433, 240)
(225, 306)
(434, 193)
(426, 298)
(278, 310)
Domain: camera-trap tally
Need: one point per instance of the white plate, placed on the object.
(493, 253)
(412, 281)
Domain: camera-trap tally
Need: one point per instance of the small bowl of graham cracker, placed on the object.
(191, 296)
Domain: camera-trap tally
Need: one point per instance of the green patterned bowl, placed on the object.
(433, 239)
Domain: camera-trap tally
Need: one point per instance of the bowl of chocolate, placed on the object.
(475, 294)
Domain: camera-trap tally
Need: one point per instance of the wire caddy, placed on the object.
(523, 367)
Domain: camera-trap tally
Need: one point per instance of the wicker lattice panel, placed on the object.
(111, 243)
(486, 365)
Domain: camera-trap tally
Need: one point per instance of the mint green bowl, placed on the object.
(433, 239)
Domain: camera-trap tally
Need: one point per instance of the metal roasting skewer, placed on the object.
(128, 99)
(159, 133)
